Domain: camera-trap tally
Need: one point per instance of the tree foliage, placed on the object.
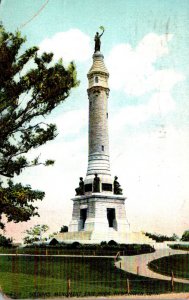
(27, 96)
(35, 234)
(159, 238)
(16, 201)
(5, 242)
(185, 236)
(64, 228)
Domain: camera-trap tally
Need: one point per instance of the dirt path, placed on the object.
(138, 264)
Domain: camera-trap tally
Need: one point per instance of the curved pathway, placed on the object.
(138, 264)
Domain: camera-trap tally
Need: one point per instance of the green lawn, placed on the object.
(178, 263)
(184, 247)
(30, 277)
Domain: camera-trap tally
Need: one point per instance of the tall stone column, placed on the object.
(99, 206)
(98, 151)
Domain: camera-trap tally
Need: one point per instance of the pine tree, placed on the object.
(26, 95)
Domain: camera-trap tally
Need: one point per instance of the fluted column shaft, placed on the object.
(98, 161)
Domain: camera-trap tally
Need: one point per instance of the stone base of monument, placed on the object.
(100, 217)
(98, 213)
(96, 237)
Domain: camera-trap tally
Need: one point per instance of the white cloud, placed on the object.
(71, 122)
(159, 105)
(69, 45)
(153, 46)
(133, 70)
(164, 80)
(154, 172)
(71, 128)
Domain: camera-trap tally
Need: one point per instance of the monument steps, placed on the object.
(73, 236)
(92, 237)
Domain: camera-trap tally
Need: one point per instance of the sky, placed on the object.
(145, 48)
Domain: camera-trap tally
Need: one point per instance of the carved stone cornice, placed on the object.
(91, 75)
(97, 89)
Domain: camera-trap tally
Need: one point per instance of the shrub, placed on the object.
(103, 243)
(5, 242)
(53, 242)
(64, 228)
(112, 243)
(161, 238)
(75, 245)
(185, 236)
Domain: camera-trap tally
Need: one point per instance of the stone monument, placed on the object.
(99, 205)
(101, 210)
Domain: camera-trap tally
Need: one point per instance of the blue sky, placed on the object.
(145, 46)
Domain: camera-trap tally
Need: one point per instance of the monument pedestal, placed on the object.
(102, 215)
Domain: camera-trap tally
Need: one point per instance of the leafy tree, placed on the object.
(36, 234)
(175, 237)
(27, 96)
(5, 242)
(185, 236)
(51, 235)
(16, 201)
(64, 228)
(159, 238)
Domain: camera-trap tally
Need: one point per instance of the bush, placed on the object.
(64, 228)
(185, 236)
(180, 247)
(161, 238)
(53, 242)
(75, 245)
(112, 243)
(103, 244)
(104, 248)
(5, 242)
